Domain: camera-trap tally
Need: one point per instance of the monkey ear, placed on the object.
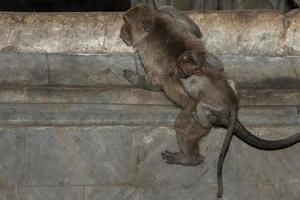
(147, 24)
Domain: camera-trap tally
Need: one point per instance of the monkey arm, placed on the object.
(175, 91)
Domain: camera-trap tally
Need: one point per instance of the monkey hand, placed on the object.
(141, 81)
(132, 77)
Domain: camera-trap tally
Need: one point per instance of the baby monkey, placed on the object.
(216, 93)
(215, 97)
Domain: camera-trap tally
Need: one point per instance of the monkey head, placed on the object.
(190, 62)
(138, 22)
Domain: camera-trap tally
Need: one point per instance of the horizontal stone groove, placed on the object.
(113, 114)
(126, 95)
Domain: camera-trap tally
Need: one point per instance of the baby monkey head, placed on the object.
(191, 62)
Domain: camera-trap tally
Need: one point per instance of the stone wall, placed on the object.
(244, 33)
(72, 128)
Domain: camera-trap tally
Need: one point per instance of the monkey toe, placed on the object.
(180, 159)
(169, 157)
(170, 153)
(220, 194)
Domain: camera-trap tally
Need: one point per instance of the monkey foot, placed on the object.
(180, 159)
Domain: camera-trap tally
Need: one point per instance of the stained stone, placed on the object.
(13, 158)
(89, 70)
(79, 156)
(50, 193)
(17, 69)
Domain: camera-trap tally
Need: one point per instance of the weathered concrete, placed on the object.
(114, 114)
(54, 32)
(89, 70)
(248, 33)
(18, 69)
(203, 191)
(264, 72)
(135, 96)
(244, 32)
(63, 164)
(79, 156)
(50, 193)
(13, 159)
(38, 69)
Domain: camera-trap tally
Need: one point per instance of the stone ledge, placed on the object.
(134, 96)
(248, 33)
(38, 69)
(142, 115)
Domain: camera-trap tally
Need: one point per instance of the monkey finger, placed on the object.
(170, 153)
(169, 159)
(130, 76)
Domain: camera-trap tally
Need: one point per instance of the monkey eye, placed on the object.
(198, 69)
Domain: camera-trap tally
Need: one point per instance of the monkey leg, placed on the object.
(204, 113)
(189, 132)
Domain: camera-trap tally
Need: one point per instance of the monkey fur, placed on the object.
(159, 40)
(215, 96)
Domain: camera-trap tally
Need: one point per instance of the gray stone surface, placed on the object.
(89, 69)
(53, 32)
(50, 193)
(121, 95)
(123, 162)
(99, 95)
(37, 69)
(262, 72)
(296, 64)
(79, 156)
(293, 33)
(85, 114)
(23, 69)
(13, 159)
(277, 167)
(203, 191)
(113, 114)
(267, 33)
(243, 32)
(268, 97)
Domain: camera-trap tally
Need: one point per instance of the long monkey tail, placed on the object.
(241, 132)
(229, 133)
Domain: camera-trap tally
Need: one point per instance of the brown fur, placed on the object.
(216, 99)
(160, 41)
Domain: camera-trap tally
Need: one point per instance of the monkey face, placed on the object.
(191, 62)
(138, 21)
(125, 33)
(186, 64)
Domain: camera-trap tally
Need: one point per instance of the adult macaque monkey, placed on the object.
(159, 41)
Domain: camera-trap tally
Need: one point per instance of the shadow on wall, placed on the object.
(202, 5)
(122, 5)
(64, 5)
